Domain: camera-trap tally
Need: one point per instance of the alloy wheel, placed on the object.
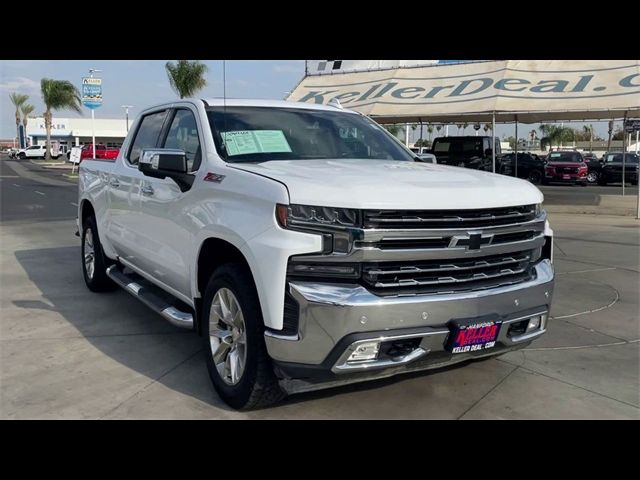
(227, 335)
(89, 254)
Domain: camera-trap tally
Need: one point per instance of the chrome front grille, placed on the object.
(414, 252)
(425, 219)
(456, 275)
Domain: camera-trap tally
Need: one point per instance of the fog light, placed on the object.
(365, 351)
(534, 323)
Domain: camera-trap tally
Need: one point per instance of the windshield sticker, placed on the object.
(245, 142)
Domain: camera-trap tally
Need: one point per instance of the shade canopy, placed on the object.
(528, 91)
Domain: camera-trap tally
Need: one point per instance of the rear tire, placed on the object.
(239, 366)
(94, 262)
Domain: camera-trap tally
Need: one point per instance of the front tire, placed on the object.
(535, 177)
(94, 262)
(233, 334)
(592, 177)
(22, 156)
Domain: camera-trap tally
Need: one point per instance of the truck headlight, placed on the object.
(307, 215)
(538, 209)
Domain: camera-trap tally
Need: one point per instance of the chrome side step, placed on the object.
(150, 299)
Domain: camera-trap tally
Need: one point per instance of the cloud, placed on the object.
(22, 85)
(287, 69)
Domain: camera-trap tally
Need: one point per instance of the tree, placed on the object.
(544, 129)
(486, 127)
(556, 135)
(186, 78)
(18, 99)
(57, 95)
(619, 134)
(27, 109)
(430, 132)
(392, 129)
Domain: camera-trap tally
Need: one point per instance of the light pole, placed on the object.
(126, 113)
(93, 116)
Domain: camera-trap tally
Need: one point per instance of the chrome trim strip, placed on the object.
(357, 295)
(291, 338)
(374, 235)
(448, 280)
(364, 254)
(482, 263)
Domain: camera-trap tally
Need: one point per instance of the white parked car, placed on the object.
(36, 151)
(309, 249)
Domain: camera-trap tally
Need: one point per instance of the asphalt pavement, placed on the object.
(68, 353)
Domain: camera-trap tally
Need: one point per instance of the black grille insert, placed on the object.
(448, 276)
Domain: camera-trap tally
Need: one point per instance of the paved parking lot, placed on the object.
(68, 353)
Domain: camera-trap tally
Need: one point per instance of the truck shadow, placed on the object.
(128, 332)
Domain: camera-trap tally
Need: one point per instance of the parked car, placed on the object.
(308, 259)
(530, 167)
(37, 151)
(102, 152)
(593, 165)
(469, 152)
(565, 166)
(611, 169)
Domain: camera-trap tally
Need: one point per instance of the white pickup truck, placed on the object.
(311, 249)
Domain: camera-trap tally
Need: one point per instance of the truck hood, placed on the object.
(565, 164)
(379, 184)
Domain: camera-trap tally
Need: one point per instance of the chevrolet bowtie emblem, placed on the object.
(472, 240)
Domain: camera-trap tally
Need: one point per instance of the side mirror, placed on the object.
(165, 162)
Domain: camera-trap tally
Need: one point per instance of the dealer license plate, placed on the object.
(472, 335)
(566, 177)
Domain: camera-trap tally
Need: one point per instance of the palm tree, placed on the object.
(486, 128)
(392, 129)
(57, 95)
(186, 77)
(589, 130)
(18, 99)
(430, 132)
(27, 109)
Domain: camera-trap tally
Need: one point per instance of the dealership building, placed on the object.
(71, 132)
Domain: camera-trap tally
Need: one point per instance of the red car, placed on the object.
(102, 152)
(565, 167)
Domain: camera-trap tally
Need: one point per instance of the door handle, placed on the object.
(114, 182)
(147, 190)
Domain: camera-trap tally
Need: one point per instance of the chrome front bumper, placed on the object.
(334, 318)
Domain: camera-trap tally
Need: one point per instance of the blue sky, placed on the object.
(142, 83)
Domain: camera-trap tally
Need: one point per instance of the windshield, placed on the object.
(458, 145)
(574, 157)
(262, 134)
(617, 157)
